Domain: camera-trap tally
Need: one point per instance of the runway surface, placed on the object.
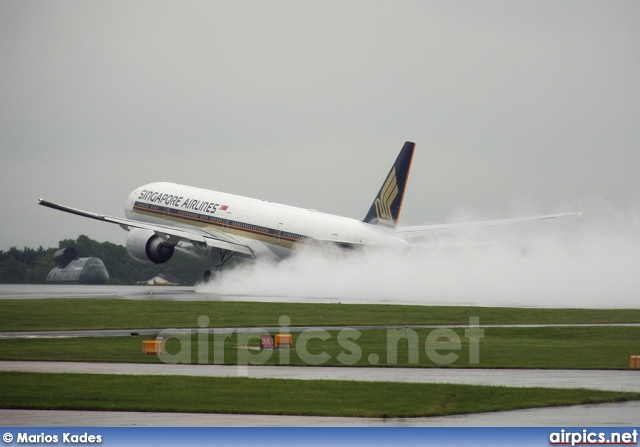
(180, 293)
(151, 293)
(624, 414)
(37, 291)
(172, 293)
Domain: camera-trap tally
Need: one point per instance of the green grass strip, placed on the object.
(275, 396)
(78, 313)
(539, 347)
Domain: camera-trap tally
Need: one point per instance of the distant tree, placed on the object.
(38, 270)
(33, 265)
(12, 271)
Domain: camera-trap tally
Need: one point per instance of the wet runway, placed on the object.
(180, 293)
(37, 291)
(171, 293)
(625, 414)
(150, 293)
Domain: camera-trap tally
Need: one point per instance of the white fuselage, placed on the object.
(279, 227)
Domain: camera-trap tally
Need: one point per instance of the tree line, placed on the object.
(31, 266)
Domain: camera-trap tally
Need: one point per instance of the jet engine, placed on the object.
(64, 256)
(147, 247)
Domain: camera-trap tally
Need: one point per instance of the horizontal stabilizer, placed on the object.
(415, 232)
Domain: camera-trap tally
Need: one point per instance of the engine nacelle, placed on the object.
(64, 256)
(147, 247)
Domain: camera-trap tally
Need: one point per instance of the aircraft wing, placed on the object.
(412, 232)
(199, 238)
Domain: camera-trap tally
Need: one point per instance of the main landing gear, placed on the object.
(223, 256)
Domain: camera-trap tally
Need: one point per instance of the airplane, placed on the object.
(161, 215)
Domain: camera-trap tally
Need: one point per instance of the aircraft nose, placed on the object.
(128, 207)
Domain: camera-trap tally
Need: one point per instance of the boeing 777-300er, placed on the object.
(161, 215)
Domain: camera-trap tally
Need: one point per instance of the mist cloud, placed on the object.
(589, 261)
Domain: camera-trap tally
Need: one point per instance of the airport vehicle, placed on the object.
(161, 215)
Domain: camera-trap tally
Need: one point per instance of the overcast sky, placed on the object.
(515, 106)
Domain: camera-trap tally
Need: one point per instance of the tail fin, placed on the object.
(385, 209)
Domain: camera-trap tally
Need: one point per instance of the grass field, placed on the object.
(77, 313)
(514, 347)
(542, 347)
(275, 396)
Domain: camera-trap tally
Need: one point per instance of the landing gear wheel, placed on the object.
(224, 256)
(209, 275)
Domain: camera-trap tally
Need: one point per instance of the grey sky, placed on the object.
(515, 106)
